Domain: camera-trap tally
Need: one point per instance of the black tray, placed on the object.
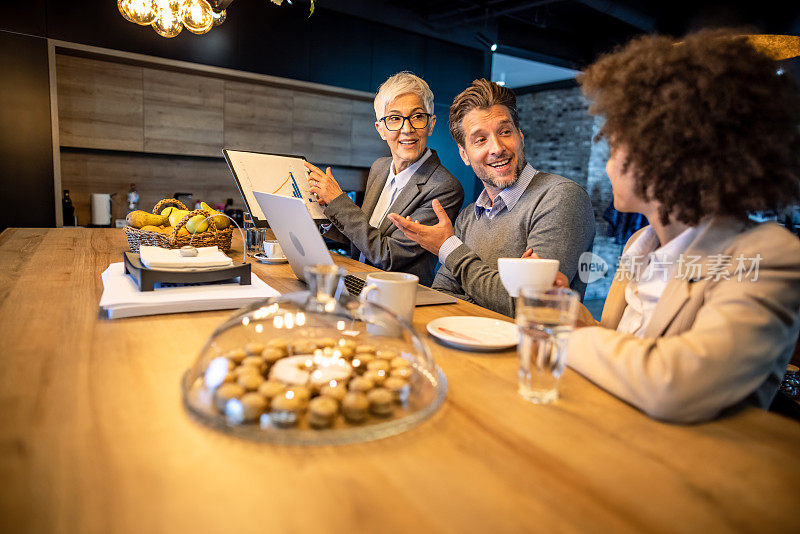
(147, 278)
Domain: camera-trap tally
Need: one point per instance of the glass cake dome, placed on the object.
(314, 367)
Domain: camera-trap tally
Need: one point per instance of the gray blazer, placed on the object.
(386, 247)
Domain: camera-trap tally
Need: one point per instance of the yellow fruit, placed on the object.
(183, 231)
(166, 211)
(167, 229)
(175, 216)
(151, 228)
(220, 220)
(139, 219)
(197, 224)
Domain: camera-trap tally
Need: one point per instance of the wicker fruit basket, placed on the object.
(209, 238)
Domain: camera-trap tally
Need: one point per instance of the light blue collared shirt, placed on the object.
(505, 200)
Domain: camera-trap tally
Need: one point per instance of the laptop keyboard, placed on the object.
(354, 284)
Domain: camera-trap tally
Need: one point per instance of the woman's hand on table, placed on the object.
(561, 279)
(322, 184)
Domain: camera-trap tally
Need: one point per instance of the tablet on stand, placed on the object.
(278, 174)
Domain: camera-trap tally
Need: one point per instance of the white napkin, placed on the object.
(155, 257)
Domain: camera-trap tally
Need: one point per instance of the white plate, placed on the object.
(260, 258)
(472, 333)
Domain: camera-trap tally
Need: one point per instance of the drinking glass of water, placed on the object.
(546, 318)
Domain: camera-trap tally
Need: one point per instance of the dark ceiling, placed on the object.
(568, 32)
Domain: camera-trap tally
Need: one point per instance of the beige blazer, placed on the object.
(713, 341)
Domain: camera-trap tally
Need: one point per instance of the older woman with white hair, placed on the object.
(406, 183)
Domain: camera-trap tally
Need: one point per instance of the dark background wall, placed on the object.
(328, 47)
(26, 150)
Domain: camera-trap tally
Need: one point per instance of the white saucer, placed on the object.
(474, 333)
(260, 258)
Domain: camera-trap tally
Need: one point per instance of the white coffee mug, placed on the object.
(394, 291)
(518, 272)
(272, 249)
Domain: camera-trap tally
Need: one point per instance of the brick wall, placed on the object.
(558, 138)
(558, 132)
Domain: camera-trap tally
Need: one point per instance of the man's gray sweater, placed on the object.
(553, 217)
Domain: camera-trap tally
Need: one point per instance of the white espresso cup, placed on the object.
(395, 291)
(272, 249)
(518, 272)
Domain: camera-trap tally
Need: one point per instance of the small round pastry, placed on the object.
(326, 342)
(321, 411)
(236, 355)
(361, 384)
(245, 369)
(285, 409)
(402, 372)
(354, 407)
(270, 389)
(358, 366)
(387, 354)
(399, 362)
(253, 405)
(345, 352)
(291, 370)
(229, 378)
(250, 381)
(398, 387)
(302, 394)
(303, 347)
(366, 349)
(255, 361)
(346, 342)
(379, 365)
(333, 389)
(272, 355)
(226, 392)
(377, 376)
(279, 343)
(380, 402)
(254, 348)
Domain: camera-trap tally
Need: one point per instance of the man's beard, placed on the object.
(484, 177)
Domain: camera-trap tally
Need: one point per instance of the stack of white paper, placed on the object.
(122, 298)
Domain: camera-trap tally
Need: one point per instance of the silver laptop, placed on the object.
(303, 245)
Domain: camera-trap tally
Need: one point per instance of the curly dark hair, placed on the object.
(709, 125)
(481, 94)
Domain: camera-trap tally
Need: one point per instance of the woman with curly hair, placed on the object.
(704, 311)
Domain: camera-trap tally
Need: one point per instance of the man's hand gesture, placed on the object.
(429, 237)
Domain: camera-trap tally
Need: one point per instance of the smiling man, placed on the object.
(520, 209)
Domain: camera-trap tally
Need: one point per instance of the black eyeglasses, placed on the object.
(396, 122)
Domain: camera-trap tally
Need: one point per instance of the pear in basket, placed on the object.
(139, 219)
(197, 224)
(220, 220)
(175, 216)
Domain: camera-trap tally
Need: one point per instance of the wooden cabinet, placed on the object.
(182, 113)
(365, 144)
(100, 104)
(322, 128)
(258, 118)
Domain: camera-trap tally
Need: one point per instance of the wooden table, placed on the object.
(94, 438)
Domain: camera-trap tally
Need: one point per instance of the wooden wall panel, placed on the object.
(365, 144)
(182, 113)
(155, 176)
(99, 104)
(322, 128)
(258, 118)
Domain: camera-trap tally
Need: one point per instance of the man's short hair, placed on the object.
(481, 94)
(402, 83)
